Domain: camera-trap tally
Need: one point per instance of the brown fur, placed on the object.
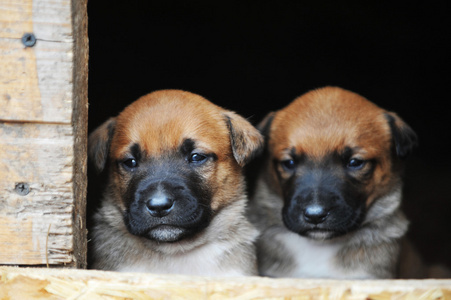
(330, 119)
(159, 123)
(314, 126)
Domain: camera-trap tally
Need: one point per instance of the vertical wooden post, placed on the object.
(43, 128)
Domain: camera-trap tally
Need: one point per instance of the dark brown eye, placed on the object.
(197, 158)
(355, 164)
(288, 165)
(130, 163)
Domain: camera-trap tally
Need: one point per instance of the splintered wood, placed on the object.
(20, 283)
(43, 123)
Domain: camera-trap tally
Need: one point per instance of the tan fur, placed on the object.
(330, 119)
(314, 125)
(159, 123)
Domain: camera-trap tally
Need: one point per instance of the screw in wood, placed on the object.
(22, 188)
(28, 39)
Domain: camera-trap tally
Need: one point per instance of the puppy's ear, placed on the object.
(99, 143)
(265, 125)
(403, 137)
(245, 139)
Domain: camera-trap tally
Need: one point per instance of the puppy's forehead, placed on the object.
(330, 120)
(161, 121)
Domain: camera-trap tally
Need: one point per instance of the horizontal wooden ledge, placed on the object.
(32, 283)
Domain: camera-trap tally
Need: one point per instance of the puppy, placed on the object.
(327, 199)
(175, 197)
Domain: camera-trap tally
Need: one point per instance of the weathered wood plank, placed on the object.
(49, 20)
(83, 284)
(80, 128)
(43, 132)
(16, 17)
(36, 219)
(36, 82)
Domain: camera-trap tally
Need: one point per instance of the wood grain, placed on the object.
(80, 129)
(43, 132)
(84, 284)
(36, 228)
(36, 82)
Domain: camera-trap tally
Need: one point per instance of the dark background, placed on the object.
(256, 56)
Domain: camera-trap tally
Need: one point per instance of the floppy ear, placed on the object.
(245, 139)
(99, 143)
(265, 125)
(403, 137)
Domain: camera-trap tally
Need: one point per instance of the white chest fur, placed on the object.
(316, 259)
(203, 261)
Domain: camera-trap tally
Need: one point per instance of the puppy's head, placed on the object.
(174, 160)
(332, 156)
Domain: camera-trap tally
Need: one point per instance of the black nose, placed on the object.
(160, 205)
(315, 214)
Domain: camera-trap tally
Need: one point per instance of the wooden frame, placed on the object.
(43, 124)
(43, 139)
(82, 284)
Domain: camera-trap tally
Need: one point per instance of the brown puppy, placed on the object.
(175, 199)
(327, 200)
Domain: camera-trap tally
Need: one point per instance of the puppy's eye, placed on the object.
(288, 165)
(197, 158)
(355, 164)
(130, 163)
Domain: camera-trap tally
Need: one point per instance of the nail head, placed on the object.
(28, 39)
(22, 188)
